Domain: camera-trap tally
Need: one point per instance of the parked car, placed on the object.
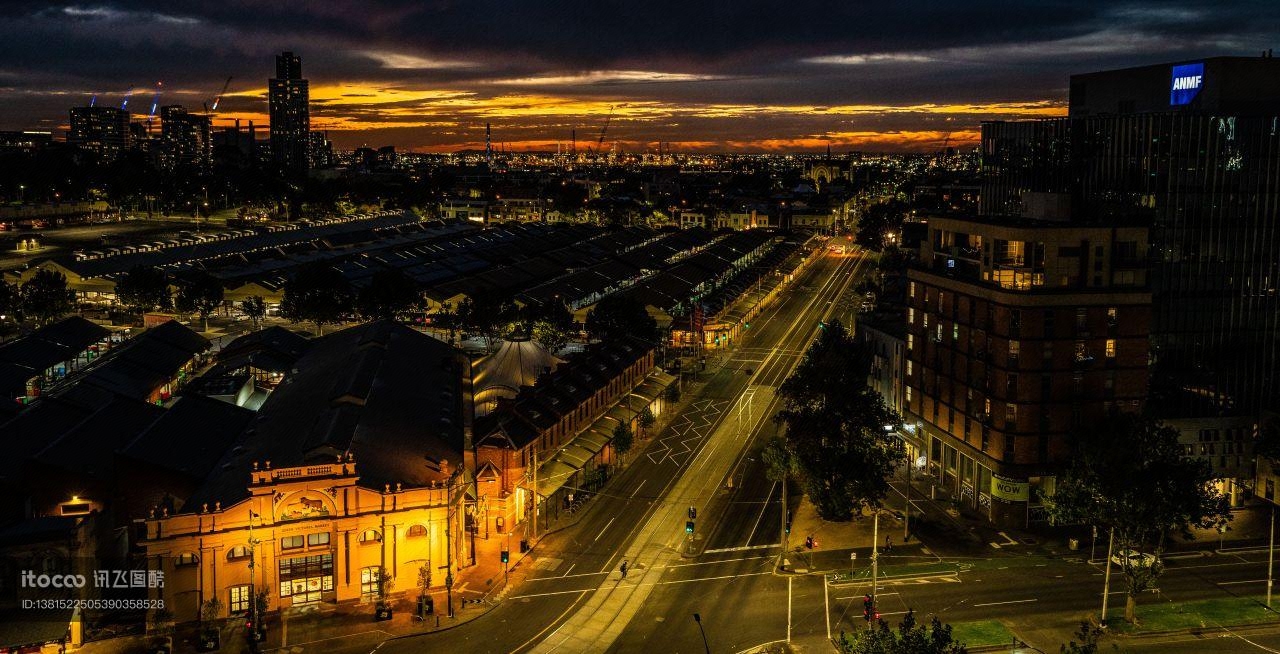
(1136, 559)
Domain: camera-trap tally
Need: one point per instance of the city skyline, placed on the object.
(701, 78)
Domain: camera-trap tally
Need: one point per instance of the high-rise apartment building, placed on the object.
(1192, 151)
(102, 130)
(1017, 334)
(186, 138)
(288, 95)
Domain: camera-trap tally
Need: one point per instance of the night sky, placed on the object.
(738, 75)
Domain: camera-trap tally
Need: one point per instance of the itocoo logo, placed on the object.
(33, 580)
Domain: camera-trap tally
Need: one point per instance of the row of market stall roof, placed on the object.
(564, 467)
(673, 291)
(32, 362)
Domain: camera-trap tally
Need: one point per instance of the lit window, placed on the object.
(238, 552)
(369, 578)
(908, 393)
(910, 368)
(186, 559)
(370, 536)
(955, 332)
(926, 321)
(291, 542)
(239, 599)
(911, 315)
(911, 341)
(321, 538)
(911, 289)
(1014, 348)
(1111, 348)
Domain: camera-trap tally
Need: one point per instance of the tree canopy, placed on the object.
(389, 295)
(203, 294)
(254, 307)
(911, 637)
(45, 296)
(836, 427)
(316, 293)
(619, 316)
(143, 289)
(1128, 474)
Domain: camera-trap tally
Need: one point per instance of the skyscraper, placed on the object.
(101, 130)
(290, 118)
(1192, 151)
(186, 138)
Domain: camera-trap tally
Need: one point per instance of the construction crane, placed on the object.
(221, 93)
(604, 130)
(155, 101)
(155, 104)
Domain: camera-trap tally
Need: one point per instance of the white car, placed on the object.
(1136, 559)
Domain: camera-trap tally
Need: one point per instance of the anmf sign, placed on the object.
(1186, 83)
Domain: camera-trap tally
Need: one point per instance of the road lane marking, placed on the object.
(718, 562)
(763, 507)
(742, 548)
(1025, 601)
(1251, 581)
(606, 528)
(637, 490)
(566, 572)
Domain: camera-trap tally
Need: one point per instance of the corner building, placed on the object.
(1017, 333)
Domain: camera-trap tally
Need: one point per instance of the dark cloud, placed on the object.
(593, 54)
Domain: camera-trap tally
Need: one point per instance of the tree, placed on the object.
(836, 427)
(910, 638)
(1128, 474)
(202, 294)
(254, 307)
(622, 439)
(10, 299)
(316, 293)
(1089, 635)
(646, 419)
(424, 589)
(618, 316)
(489, 315)
(390, 294)
(549, 323)
(210, 614)
(672, 394)
(143, 289)
(551, 336)
(45, 296)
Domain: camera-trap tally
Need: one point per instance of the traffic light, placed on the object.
(822, 325)
(746, 325)
(688, 527)
(506, 556)
(693, 513)
(868, 607)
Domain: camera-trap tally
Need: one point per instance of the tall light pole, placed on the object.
(1106, 584)
(698, 619)
(1271, 555)
(254, 627)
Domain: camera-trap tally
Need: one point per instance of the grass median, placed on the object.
(1200, 614)
(981, 633)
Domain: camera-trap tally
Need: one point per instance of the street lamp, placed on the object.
(698, 619)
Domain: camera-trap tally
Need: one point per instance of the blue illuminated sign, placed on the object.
(1186, 83)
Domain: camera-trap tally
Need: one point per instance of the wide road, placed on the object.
(572, 566)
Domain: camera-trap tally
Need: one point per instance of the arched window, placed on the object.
(417, 530)
(370, 536)
(186, 559)
(238, 552)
